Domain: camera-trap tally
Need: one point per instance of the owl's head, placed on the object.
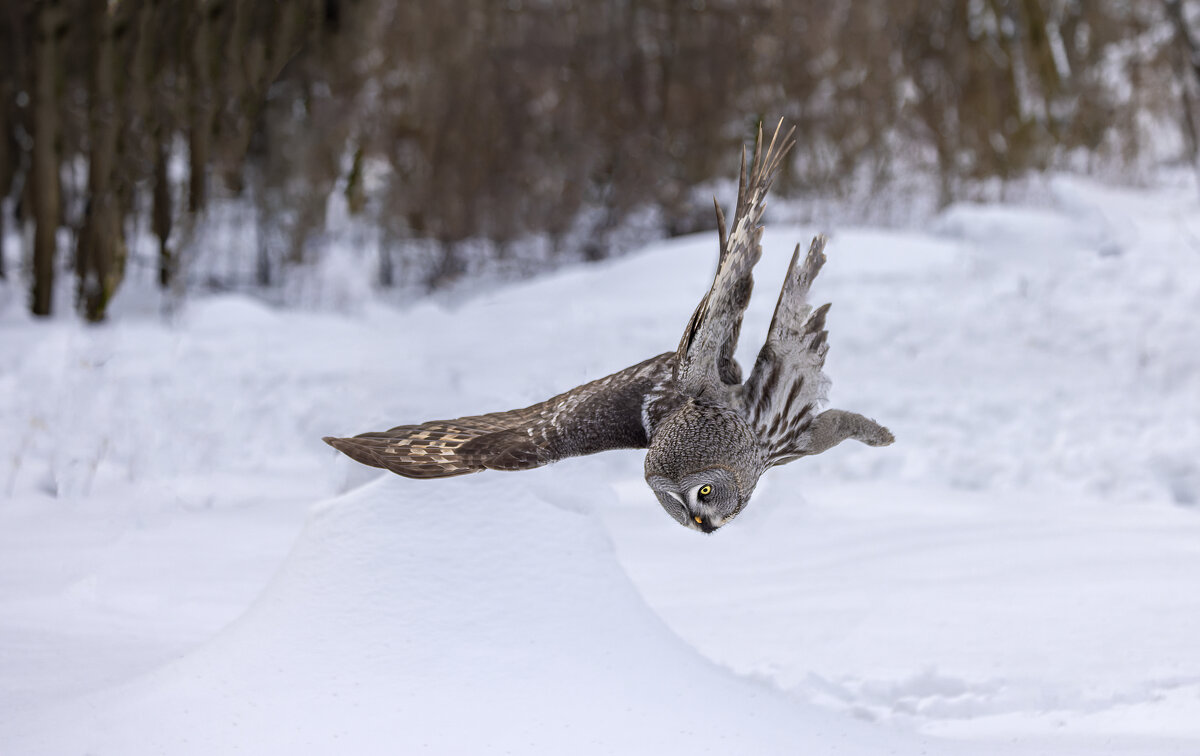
(702, 464)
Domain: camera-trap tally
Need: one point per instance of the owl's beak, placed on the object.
(703, 523)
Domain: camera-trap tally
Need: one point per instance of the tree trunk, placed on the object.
(449, 268)
(263, 267)
(387, 268)
(1184, 35)
(1191, 56)
(200, 111)
(162, 211)
(44, 165)
(3, 192)
(7, 164)
(100, 255)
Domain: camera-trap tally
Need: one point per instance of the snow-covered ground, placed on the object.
(186, 568)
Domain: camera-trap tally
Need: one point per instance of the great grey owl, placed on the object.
(708, 435)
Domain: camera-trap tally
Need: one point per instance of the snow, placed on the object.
(186, 568)
(489, 616)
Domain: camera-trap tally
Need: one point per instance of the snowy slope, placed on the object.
(1015, 575)
(487, 619)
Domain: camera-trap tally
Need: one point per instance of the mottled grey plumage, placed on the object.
(709, 436)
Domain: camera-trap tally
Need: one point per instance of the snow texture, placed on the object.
(186, 568)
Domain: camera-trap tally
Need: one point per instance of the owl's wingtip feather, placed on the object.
(355, 450)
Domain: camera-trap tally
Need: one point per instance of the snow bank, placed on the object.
(486, 619)
(1059, 625)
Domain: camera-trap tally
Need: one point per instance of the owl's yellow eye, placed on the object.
(705, 490)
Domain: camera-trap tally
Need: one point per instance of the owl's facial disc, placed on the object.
(703, 445)
(703, 500)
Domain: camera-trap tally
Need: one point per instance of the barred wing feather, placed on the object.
(597, 416)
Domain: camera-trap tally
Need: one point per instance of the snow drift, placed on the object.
(487, 619)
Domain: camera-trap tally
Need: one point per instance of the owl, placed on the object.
(709, 435)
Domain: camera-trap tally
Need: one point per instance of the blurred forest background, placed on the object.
(229, 144)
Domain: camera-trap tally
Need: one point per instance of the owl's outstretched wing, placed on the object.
(787, 385)
(605, 414)
(704, 359)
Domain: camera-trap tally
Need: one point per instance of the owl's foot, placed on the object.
(874, 434)
(832, 427)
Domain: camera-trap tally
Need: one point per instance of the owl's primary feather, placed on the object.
(709, 437)
(704, 359)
